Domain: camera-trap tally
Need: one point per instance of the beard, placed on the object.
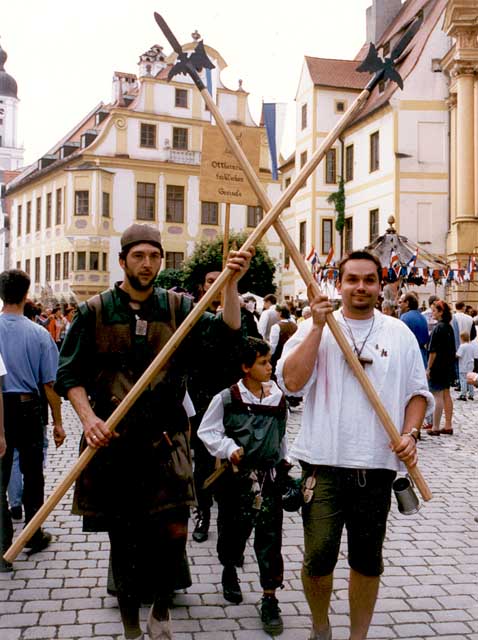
(137, 285)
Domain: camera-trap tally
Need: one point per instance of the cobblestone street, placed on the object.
(429, 588)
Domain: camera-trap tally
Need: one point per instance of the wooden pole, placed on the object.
(225, 244)
(170, 347)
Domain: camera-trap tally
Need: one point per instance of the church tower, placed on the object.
(11, 156)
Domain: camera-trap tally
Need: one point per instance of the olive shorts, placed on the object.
(360, 500)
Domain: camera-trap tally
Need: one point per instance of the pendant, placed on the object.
(141, 327)
(257, 504)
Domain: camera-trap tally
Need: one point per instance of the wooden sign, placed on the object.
(221, 176)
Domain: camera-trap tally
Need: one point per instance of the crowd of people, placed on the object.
(212, 424)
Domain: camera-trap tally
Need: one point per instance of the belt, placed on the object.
(22, 397)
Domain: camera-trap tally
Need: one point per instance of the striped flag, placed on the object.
(412, 263)
(395, 262)
(330, 256)
(273, 116)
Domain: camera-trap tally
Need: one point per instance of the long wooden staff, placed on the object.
(170, 347)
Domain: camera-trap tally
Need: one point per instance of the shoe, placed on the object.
(230, 585)
(462, 398)
(471, 397)
(38, 542)
(159, 629)
(5, 566)
(433, 432)
(321, 635)
(428, 426)
(16, 512)
(447, 432)
(270, 616)
(201, 530)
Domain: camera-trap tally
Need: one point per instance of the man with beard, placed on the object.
(348, 463)
(139, 485)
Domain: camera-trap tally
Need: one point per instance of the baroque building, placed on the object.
(136, 159)
(412, 153)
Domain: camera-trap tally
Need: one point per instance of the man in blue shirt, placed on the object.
(415, 321)
(31, 361)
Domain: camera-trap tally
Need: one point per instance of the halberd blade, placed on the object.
(199, 58)
(168, 34)
(405, 40)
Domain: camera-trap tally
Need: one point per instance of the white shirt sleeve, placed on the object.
(3, 370)
(275, 334)
(263, 322)
(188, 405)
(211, 431)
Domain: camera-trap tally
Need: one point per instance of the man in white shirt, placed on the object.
(345, 452)
(269, 316)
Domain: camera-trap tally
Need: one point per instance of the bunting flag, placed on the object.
(330, 256)
(413, 260)
(395, 263)
(309, 257)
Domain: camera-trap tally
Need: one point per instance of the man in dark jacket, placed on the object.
(139, 486)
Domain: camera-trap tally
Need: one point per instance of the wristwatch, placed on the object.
(413, 433)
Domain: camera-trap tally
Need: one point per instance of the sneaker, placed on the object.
(462, 398)
(201, 530)
(5, 566)
(471, 397)
(270, 616)
(159, 629)
(16, 512)
(39, 541)
(230, 585)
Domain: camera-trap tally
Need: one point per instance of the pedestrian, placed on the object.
(441, 367)
(465, 355)
(281, 332)
(251, 498)
(31, 360)
(139, 485)
(411, 316)
(269, 316)
(428, 313)
(348, 463)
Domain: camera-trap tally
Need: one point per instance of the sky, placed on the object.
(63, 53)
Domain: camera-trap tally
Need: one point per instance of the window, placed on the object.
(209, 213)
(181, 98)
(58, 216)
(29, 217)
(48, 210)
(331, 166)
(81, 261)
(37, 270)
(374, 152)
(105, 262)
(302, 237)
(303, 117)
(57, 266)
(303, 158)
(82, 204)
(27, 266)
(105, 210)
(348, 235)
(339, 106)
(254, 216)
(66, 266)
(145, 200)
(349, 163)
(94, 261)
(147, 135)
(327, 230)
(19, 220)
(180, 138)
(174, 259)
(373, 224)
(38, 215)
(174, 203)
(48, 269)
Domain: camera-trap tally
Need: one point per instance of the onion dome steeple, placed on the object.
(8, 85)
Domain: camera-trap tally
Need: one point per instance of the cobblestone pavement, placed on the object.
(429, 588)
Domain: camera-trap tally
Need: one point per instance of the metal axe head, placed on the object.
(187, 64)
(384, 69)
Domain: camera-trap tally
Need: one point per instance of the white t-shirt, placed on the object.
(465, 355)
(339, 425)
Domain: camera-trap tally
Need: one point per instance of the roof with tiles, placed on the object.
(330, 72)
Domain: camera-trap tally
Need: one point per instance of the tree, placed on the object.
(169, 278)
(207, 256)
(338, 200)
